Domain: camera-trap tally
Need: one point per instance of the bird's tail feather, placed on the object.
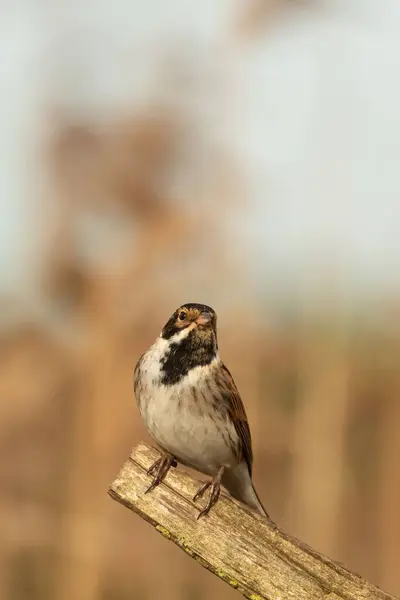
(259, 504)
(239, 484)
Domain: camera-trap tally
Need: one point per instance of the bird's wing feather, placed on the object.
(238, 415)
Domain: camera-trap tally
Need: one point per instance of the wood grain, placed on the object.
(239, 546)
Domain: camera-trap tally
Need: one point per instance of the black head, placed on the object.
(197, 344)
(193, 316)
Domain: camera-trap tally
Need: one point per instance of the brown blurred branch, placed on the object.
(241, 548)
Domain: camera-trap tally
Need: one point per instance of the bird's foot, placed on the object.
(159, 469)
(215, 485)
(200, 492)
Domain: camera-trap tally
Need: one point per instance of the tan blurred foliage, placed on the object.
(322, 395)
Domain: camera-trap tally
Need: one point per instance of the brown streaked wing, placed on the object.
(238, 415)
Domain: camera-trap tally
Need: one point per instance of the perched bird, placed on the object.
(192, 409)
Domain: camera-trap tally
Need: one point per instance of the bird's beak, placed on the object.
(204, 318)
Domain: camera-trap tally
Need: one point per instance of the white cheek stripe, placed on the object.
(180, 335)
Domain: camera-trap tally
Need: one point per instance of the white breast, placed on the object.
(181, 418)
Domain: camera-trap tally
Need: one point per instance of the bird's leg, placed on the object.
(159, 469)
(215, 485)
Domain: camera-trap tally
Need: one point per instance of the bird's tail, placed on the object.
(239, 484)
(258, 504)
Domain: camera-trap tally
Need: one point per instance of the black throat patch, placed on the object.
(198, 348)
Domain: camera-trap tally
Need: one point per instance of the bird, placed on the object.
(192, 409)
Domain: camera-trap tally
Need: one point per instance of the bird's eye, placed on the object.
(182, 316)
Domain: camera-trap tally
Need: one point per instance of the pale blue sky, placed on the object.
(310, 111)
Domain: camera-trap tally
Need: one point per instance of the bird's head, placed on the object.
(199, 320)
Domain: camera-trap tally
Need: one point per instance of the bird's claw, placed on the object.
(154, 466)
(201, 490)
(215, 485)
(159, 469)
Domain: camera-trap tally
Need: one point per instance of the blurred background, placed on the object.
(240, 153)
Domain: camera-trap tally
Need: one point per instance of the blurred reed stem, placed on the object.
(319, 430)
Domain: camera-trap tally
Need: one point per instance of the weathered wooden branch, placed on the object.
(242, 548)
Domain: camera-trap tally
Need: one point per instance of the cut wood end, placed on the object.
(238, 545)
